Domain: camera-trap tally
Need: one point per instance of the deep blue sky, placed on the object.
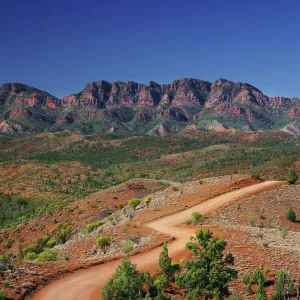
(61, 45)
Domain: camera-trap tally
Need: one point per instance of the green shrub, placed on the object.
(48, 255)
(127, 247)
(257, 276)
(67, 257)
(3, 294)
(6, 284)
(42, 242)
(64, 235)
(147, 200)
(6, 262)
(266, 271)
(284, 232)
(291, 215)
(134, 202)
(292, 176)
(246, 278)
(235, 296)
(33, 248)
(104, 242)
(51, 243)
(91, 226)
(126, 283)
(208, 274)
(196, 217)
(31, 256)
(252, 221)
(175, 266)
(249, 288)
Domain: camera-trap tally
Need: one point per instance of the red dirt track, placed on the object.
(87, 284)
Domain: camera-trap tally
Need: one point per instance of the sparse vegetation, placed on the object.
(101, 166)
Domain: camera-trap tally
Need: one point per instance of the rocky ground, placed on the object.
(271, 242)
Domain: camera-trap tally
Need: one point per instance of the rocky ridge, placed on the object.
(130, 107)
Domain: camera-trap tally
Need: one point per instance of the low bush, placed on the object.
(246, 278)
(48, 255)
(33, 248)
(235, 296)
(104, 242)
(147, 200)
(292, 176)
(196, 217)
(3, 294)
(257, 276)
(134, 202)
(284, 232)
(291, 215)
(252, 221)
(127, 247)
(31, 256)
(6, 263)
(51, 243)
(91, 226)
(64, 235)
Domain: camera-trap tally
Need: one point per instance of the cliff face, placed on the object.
(103, 94)
(134, 107)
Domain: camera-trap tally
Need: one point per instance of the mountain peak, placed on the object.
(135, 107)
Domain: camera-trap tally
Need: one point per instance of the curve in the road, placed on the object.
(87, 284)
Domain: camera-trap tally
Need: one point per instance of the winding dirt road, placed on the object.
(87, 284)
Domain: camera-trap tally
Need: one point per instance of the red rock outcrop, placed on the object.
(183, 100)
(295, 112)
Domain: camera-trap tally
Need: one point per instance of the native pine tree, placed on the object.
(208, 274)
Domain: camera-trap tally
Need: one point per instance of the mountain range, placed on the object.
(158, 109)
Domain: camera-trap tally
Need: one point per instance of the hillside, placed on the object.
(156, 109)
(63, 190)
